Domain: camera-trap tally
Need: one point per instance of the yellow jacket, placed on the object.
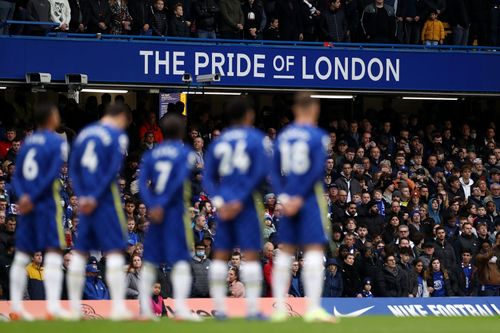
(433, 30)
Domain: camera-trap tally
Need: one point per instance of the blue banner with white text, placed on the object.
(413, 307)
(240, 65)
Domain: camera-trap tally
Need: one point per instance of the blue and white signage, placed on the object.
(414, 307)
(163, 63)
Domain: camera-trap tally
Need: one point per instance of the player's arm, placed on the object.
(210, 178)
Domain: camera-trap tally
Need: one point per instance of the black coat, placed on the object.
(352, 281)
(289, 13)
(159, 23)
(97, 11)
(374, 223)
(78, 11)
(141, 12)
(177, 27)
(206, 12)
(334, 26)
(394, 283)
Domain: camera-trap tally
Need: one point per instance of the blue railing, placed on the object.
(302, 44)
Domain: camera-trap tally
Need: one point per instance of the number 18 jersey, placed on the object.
(298, 168)
(96, 159)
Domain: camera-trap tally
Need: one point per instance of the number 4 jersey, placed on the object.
(39, 163)
(298, 170)
(96, 159)
(164, 182)
(235, 166)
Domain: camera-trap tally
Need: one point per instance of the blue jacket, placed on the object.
(333, 285)
(95, 289)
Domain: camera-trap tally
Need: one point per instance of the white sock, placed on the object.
(217, 275)
(18, 280)
(75, 280)
(148, 275)
(52, 281)
(312, 278)
(181, 283)
(282, 271)
(251, 276)
(115, 279)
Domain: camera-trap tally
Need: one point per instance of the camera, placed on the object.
(38, 78)
(76, 79)
(208, 78)
(186, 78)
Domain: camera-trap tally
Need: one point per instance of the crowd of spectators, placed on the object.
(413, 206)
(372, 21)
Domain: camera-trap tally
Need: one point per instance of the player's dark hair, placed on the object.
(173, 126)
(116, 109)
(42, 112)
(236, 109)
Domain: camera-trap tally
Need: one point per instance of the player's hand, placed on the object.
(87, 205)
(292, 207)
(156, 215)
(25, 205)
(230, 210)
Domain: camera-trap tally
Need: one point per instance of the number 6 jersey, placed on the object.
(38, 165)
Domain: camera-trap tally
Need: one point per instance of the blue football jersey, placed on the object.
(163, 173)
(236, 164)
(96, 159)
(299, 160)
(38, 164)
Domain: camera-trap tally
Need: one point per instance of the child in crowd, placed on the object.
(367, 288)
(433, 31)
(159, 308)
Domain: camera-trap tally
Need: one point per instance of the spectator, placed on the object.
(458, 16)
(255, 19)
(419, 276)
(394, 281)
(38, 11)
(433, 31)
(78, 16)
(200, 265)
(236, 288)
(351, 277)
(334, 23)
(289, 14)
(296, 288)
(121, 21)
(98, 20)
(7, 8)
(367, 288)
(206, 12)
(333, 286)
(200, 228)
(94, 288)
(466, 240)
(378, 22)
(438, 280)
(6, 259)
(232, 21)
(159, 21)
(159, 308)
(198, 145)
(410, 13)
(346, 182)
(141, 11)
(467, 276)
(133, 277)
(133, 238)
(60, 13)
(272, 32)
(444, 249)
(178, 25)
(36, 289)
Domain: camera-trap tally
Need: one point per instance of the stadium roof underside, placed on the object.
(162, 62)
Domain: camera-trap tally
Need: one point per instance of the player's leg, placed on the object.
(75, 280)
(111, 235)
(217, 276)
(312, 228)
(281, 279)
(55, 242)
(181, 283)
(25, 244)
(249, 237)
(18, 282)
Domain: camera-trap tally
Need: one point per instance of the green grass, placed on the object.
(347, 325)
